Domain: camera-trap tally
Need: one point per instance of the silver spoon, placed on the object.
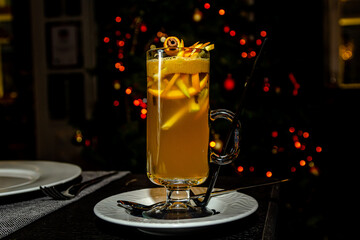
(137, 208)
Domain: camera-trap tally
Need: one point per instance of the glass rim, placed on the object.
(163, 48)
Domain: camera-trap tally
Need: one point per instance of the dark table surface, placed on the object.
(78, 221)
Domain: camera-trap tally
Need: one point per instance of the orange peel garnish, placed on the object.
(185, 67)
(178, 94)
(172, 45)
(182, 74)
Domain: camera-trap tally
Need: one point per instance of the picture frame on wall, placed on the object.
(63, 40)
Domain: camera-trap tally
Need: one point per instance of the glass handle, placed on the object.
(226, 158)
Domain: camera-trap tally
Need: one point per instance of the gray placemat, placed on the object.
(17, 215)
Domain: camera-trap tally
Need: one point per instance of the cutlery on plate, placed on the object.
(139, 208)
(73, 190)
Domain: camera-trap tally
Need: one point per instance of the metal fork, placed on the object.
(73, 190)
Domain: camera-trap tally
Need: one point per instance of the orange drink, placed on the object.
(178, 116)
(178, 126)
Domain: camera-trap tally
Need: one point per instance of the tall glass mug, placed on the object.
(178, 128)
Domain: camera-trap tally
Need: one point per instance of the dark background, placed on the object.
(314, 206)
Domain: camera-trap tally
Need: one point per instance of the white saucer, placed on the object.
(25, 176)
(232, 206)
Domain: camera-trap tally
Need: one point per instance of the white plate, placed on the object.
(232, 206)
(26, 176)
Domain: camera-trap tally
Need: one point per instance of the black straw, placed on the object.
(235, 121)
(248, 81)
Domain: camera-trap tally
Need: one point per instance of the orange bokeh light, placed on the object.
(240, 169)
(128, 91)
(221, 12)
(136, 102)
(269, 174)
(302, 163)
(143, 111)
(297, 144)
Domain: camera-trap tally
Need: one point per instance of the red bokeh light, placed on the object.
(143, 28)
(274, 134)
(318, 149)
(226, 29)
(229, 83)
(121, 43)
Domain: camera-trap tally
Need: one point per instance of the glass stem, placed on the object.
(178, 197)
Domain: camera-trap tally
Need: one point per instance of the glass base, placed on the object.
(177, 211)
(178, 205)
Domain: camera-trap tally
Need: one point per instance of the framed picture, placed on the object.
(63, 45)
